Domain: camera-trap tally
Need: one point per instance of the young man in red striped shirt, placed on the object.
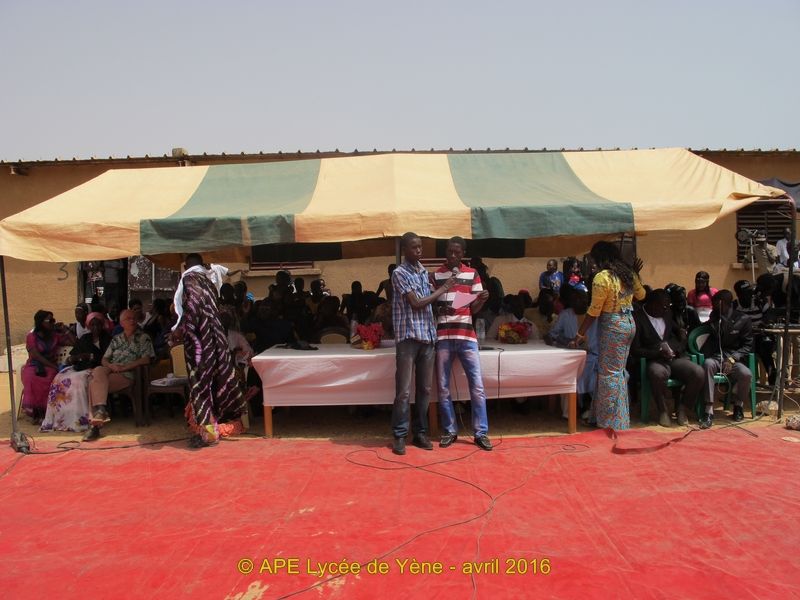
(456, 338)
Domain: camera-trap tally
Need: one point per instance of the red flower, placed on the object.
(370, 335)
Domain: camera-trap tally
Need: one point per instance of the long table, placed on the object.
(338, 374)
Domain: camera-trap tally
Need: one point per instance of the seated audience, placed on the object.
(329, 320)
(772, 289)
(527, 301)
(283, 283)
(297, 313)
(476, 262)
(68, 398)
(727, 349)
(573, 274)
(659, 341)
(386, 284)
(552, 278)
(754, 307)
(542, 315)
(227, 295)
(112, 314)
(318, 294)
(241, 354)
(239, 292)
(685, 316)
(511, 313)
(159, 326)
(43, 344)
(353, 304)
(300, 288)
(493, 306)
(80, 327)
(700, 296)
(563, 332)
(270, 327)
(383, 315)
(127, 351)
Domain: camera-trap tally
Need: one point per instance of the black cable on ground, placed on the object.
(564, 449)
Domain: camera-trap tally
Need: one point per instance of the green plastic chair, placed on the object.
(646, 391)
(694, 349)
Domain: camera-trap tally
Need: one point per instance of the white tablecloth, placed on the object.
(340, 374)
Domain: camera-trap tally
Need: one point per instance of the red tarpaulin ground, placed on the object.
(712, 516)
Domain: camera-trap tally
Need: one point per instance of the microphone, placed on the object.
(455, 271)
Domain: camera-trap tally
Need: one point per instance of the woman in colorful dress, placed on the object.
(215, 402)
(68, 399)
(614, 288)
(42, 344)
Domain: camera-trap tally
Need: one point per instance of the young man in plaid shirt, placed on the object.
(415, 338)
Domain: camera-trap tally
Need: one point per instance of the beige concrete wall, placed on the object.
(676, 256)
(35, 285)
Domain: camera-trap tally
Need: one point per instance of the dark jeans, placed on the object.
(415, 361)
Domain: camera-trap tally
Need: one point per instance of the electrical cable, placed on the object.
(564, 449)
(72, 445)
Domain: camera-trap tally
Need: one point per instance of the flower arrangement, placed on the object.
(513, 333)
(370, 335)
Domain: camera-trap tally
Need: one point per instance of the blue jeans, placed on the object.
(467, 352)
(412, 357)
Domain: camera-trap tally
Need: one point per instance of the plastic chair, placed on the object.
(697, 338)
(136, 393)
(645, 391)
(178, 357)
(334, 335)
(180, 388)
(333, 338)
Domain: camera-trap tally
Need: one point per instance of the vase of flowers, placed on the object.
(514, 333)
(370, 335)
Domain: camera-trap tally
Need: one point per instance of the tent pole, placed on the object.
(18, 440)
(784, 371)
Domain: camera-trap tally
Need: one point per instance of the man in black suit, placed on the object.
(726, 349)
(659, 340)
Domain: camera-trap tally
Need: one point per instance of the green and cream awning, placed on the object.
(125, 212)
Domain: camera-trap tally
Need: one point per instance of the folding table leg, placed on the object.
(268, 420)
(572, 403)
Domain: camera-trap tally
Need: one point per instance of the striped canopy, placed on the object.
(125, 212)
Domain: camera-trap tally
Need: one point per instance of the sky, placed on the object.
(98, 79)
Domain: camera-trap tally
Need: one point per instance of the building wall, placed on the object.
(35, 285)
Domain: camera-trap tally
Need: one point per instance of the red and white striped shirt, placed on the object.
(457, 326)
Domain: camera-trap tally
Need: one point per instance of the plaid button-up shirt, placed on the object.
(409, 323)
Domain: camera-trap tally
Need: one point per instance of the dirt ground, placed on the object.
(341, 422)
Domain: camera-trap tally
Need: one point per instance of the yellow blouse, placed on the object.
(606, 295)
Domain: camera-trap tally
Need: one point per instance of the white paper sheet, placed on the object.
(461, 299)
